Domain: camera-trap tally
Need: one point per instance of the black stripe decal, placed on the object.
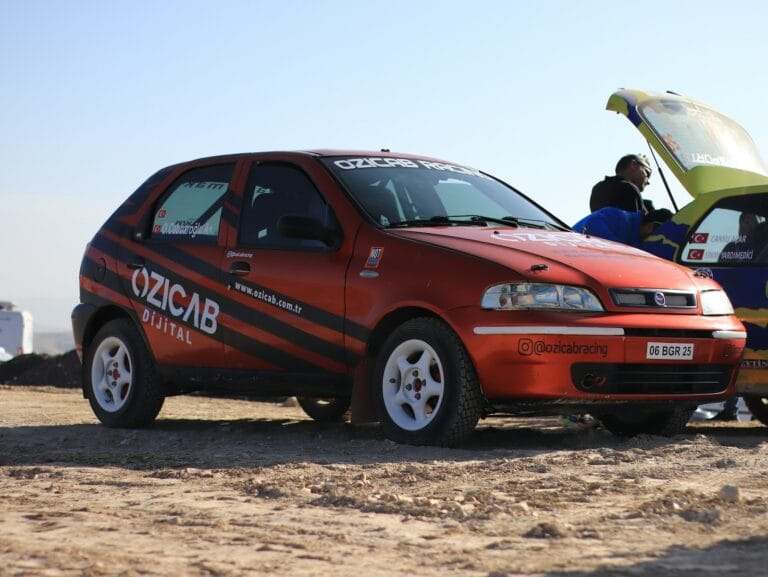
(257, 318)
(87, 296)
(225, 335)
(309, 312)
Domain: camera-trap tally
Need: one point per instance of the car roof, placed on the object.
(312, 153)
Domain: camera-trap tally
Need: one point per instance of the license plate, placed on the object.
(670, 351)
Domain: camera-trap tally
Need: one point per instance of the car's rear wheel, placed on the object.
(426, 389)
(325, 410)
(664, 422)
(119, 377)
(758, 406)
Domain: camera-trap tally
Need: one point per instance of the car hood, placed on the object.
(705, 149)
(558, 257)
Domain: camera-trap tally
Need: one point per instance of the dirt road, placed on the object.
(226, 488)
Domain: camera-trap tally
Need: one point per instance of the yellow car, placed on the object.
(723, 231)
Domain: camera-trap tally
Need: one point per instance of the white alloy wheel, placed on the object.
(112, 374)
(413, 385)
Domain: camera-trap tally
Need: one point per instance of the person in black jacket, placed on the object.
(624, 189)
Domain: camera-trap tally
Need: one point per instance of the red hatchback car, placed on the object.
(424, 294)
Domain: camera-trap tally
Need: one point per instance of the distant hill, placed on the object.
(53, 343)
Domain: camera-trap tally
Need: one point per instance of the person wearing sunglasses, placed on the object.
(623, 190)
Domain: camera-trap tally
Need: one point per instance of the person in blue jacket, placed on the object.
(627, 227)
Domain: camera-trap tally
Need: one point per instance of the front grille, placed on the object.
(646, 379)
(654, 298)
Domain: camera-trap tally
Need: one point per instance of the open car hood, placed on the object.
(705, 149)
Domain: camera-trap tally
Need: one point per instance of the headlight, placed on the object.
(716, 302)
(522, 296)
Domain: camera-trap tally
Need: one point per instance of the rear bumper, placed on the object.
(81, 315)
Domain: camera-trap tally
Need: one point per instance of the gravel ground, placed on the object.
(226, 488)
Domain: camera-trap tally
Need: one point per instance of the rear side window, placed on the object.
(733, 233)
(190, 210)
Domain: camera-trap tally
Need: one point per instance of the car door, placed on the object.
(173, 273)
(730, 241)
(287, 294)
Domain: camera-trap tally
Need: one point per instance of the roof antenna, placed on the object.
(663, 178)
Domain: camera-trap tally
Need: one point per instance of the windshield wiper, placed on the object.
(458, 220)
(528, 222)
(512, 221)
(478, 218)
(438, 220)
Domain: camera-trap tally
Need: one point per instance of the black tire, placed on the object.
(758, 406)
(424, 355)
(663, 422)
(119, 377)
(325, 410)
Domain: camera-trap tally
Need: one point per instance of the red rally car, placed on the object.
(424, 294)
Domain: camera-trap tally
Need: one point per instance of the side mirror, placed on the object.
(308, 228)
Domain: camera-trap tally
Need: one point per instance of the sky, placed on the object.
(98, 95)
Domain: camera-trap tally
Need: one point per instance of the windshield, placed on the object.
(697, 135)
(413, 192)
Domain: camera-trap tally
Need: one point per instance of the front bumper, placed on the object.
(602, 358)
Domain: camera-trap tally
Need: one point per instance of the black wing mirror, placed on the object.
(308, 228)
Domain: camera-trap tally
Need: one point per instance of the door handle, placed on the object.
(239, 268)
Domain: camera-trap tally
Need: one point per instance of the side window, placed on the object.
(734, 233)
(190, 210)
(274, 191)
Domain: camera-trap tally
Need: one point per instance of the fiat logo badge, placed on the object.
(659, 299)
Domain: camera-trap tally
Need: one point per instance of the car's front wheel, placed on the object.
(758, 406)
(426, 389)
(119, 377)
(664, 422)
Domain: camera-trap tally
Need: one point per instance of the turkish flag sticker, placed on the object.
(696, 254)
(700, 238)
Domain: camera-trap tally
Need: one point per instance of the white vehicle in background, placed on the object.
(15, 330)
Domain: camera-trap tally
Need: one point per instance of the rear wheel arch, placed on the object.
(100, 318)
(119, 377)
(106, 314)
